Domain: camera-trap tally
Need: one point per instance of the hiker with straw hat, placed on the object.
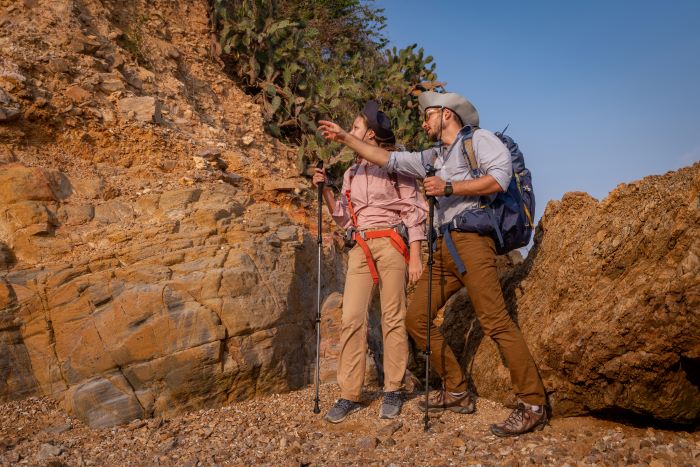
(463, 257)
(384, 215)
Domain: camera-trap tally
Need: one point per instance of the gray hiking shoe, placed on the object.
(341, 410)
(522, 420)
(391, 405)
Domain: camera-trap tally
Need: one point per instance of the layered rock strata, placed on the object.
(204, 298)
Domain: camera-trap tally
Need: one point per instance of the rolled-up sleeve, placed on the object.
(406, 163)
(494, 157)
(417, 232)
(415, 210)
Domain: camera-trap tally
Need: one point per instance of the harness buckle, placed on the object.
(350, 238)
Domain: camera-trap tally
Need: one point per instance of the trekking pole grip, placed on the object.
(321, 185)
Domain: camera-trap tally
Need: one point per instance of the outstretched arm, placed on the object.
(374, 154)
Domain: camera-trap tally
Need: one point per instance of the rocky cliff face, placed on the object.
(154, 249)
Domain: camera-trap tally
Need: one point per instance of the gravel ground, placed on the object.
(283, 430)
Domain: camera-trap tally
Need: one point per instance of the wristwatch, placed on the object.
(448, 189)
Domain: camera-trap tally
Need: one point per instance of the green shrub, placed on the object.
(310, 59)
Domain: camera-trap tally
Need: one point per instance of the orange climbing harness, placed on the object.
(361, 236)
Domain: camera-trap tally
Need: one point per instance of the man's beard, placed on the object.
(432, 136)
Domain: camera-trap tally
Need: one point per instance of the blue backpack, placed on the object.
(508, 218)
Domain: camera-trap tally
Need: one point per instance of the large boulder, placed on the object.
(608, 300)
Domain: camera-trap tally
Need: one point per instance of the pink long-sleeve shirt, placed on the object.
(377, 204)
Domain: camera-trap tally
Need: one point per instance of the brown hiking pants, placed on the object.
(391, 267)
(478, 253)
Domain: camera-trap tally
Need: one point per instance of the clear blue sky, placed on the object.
(596, 93)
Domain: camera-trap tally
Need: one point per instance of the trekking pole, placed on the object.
(431, 214)
(319, 240)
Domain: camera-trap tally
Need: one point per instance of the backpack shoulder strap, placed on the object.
(471, 156)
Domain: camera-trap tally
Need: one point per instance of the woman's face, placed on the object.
(359, 128)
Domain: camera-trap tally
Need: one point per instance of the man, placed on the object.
(462, 258)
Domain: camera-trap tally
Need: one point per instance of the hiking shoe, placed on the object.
(341, 410)
(443, 400)
(391, 405)
(522, 420)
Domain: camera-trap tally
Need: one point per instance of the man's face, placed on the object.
(431, 122)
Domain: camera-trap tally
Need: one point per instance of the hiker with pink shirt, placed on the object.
(385, 216)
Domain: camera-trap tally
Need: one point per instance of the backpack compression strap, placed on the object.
(525, 208)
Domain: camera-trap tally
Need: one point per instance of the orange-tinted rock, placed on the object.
(104, 401)
(20, 183)
(173, 324)
(16, 378)
(137, 284)
(28, 217)
(142, 109)
(77, 94)
(6, 155)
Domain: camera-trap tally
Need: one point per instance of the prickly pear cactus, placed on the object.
(304, 61)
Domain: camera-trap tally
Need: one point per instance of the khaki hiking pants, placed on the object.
(357, 296)
(478, 254)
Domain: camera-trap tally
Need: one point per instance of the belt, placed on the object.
(395, 239)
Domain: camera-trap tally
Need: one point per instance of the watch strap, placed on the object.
(448, 189)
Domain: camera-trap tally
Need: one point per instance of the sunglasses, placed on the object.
(429, 111)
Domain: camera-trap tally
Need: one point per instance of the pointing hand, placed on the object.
(331, 131)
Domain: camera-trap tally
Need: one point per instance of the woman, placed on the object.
(379, 211)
